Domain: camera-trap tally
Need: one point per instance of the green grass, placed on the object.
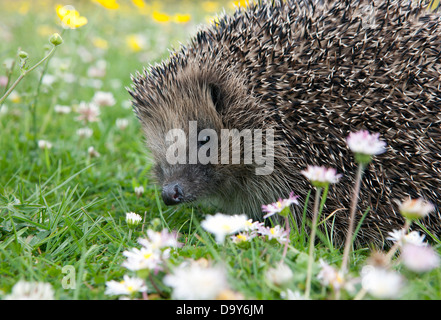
(62, 208)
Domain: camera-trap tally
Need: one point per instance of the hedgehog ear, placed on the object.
(216, 97)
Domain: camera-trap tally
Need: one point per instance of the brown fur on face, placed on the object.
(217, 99)
(313, 72)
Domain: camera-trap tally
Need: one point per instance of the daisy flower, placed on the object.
(253, 226)
(401, 237)
(281, 207)
(365, 145)
(128, 286)
(277, 232)
(381, 283)
(24, 290)
(196, 282)
(329, 276)
(242, 237)
(222, 225)
(158, 240)
(419, 258)
(321, 176)
(414, 209)
(143, 259)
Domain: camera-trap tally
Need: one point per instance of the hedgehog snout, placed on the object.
(172, 194)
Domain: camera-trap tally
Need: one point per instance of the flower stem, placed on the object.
(354, 201)
(47, 159)
(23, 74)
(312, 240)
(360, 295)
(33, 106)
(288, 231)
(158, 290)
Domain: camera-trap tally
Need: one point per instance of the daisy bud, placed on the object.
(139, 191)
(92, 152)
(56, 39)
(414, 209)
(365, 145)
(133, 219)
(320, 177)
(155, 223)
(23, 54)
(44, 144)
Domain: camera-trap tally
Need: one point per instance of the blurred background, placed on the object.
(69, 141)
(104, 43)
(112, 39)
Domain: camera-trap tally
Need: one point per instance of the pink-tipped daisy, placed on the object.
(320, 176)
(279, 206)
(365, 145)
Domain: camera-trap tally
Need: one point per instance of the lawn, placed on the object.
(72, 154)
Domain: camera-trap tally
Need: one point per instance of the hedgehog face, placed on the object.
(184, 116)
(185, 163)
(181, 124)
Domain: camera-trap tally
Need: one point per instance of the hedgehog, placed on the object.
(311, 71)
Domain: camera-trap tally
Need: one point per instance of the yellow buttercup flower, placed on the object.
(210, 6)
(139, 3)
(182, 18)
(240, 3)
(108, 4)
(70, 18)
(212, 20)
(160, 17)
(24, 8)
(135, 42)
(100, 43)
